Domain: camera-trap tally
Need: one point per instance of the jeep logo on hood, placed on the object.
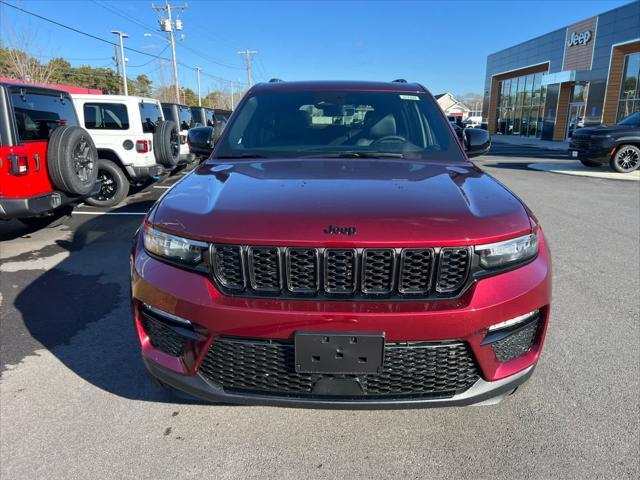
(332, 230)
(579, 38)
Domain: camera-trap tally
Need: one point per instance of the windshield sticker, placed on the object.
(410, 97)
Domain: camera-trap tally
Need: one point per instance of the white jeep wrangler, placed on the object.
(135, 145)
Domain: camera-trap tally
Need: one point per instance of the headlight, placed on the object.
(505, 253)
(171, 247)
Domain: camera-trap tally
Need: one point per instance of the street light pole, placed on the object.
(124, 60)
(199, 97)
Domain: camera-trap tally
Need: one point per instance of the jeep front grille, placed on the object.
(340, 272)
(411, 369)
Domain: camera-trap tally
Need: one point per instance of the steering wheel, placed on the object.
(390, 138)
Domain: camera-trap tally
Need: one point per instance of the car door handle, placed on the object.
(36, 157)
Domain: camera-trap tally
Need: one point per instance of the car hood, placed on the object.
(372, 202)
(602, 130)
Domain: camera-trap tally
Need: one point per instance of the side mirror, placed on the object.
(476, 141)
(201, 141)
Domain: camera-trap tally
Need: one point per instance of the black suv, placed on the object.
(617, 145)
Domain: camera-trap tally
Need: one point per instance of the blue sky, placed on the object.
(443, 45)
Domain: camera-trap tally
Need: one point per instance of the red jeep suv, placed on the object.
(47, 162)
(338, 249)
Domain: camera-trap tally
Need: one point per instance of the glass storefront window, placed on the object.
(630, 89)
(527, 90)
(520, 107)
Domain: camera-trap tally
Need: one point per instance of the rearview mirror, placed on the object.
(201, 141)
(476, 141)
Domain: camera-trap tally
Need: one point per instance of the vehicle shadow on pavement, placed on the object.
(79, 309)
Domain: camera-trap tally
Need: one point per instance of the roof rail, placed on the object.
(399, 80)
(275, 80)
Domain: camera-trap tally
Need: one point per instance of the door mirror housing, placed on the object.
(476, 141)
(201, 141)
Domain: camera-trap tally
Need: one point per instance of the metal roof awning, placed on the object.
(565, 76)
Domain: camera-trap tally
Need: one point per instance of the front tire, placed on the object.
(626, 159)
(115, 185)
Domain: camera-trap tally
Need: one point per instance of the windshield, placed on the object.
(633, 119)
(186, 119)
(339, 123)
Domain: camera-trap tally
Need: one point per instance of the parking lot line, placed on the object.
(162, 186)
(79, 212)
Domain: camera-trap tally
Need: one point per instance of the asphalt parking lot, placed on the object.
(76, 402)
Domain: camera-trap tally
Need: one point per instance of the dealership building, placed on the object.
(584, 74)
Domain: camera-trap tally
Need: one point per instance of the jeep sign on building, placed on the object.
(581, 75)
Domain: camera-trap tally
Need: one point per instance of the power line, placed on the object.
(90, 35)
(209, 59)
(103, 40)
(111, 9)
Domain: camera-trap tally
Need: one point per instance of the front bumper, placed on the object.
(39, 205)
(466, 319)
(197, 386)
(599, 152)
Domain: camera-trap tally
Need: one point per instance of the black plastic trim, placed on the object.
(199, 387)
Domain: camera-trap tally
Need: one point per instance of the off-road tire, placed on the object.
(166, 142)
(626, 159)
(114, 188)
(72, 160)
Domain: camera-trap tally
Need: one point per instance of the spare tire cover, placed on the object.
(167, 143)
(72, 160)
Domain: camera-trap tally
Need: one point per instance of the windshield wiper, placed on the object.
(356, 155)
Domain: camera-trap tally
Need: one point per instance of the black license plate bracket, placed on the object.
(339, 353)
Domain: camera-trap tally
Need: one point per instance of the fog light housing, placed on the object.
(513, 338)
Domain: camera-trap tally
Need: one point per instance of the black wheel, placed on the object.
(114, 188)
(589, 163)
(50, 219)
(167, 144)
(72, 160)
(626, 159)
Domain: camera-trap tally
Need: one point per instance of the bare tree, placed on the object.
(24, 64)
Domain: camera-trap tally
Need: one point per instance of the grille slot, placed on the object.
(228, 266)
(302, 270)
(452, 269)
(339, 271)
(264, 269)
(411, 369)
(162, 337)
(516, 344)
(377, 271)
(416, 265)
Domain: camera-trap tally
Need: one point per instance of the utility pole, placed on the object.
(233, 106)
(116, 59)
(169, 25)
(124, 60)
(247, 53)
(198, 69)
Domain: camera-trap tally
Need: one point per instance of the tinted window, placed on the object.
(633, 120)
(37, 114)
(295, 124)
(197, 115)
(150, 115)
(186, 118)
(106, 116)
(211, 121)
(169, 114)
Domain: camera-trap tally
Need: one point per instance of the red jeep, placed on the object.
(47, 162)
